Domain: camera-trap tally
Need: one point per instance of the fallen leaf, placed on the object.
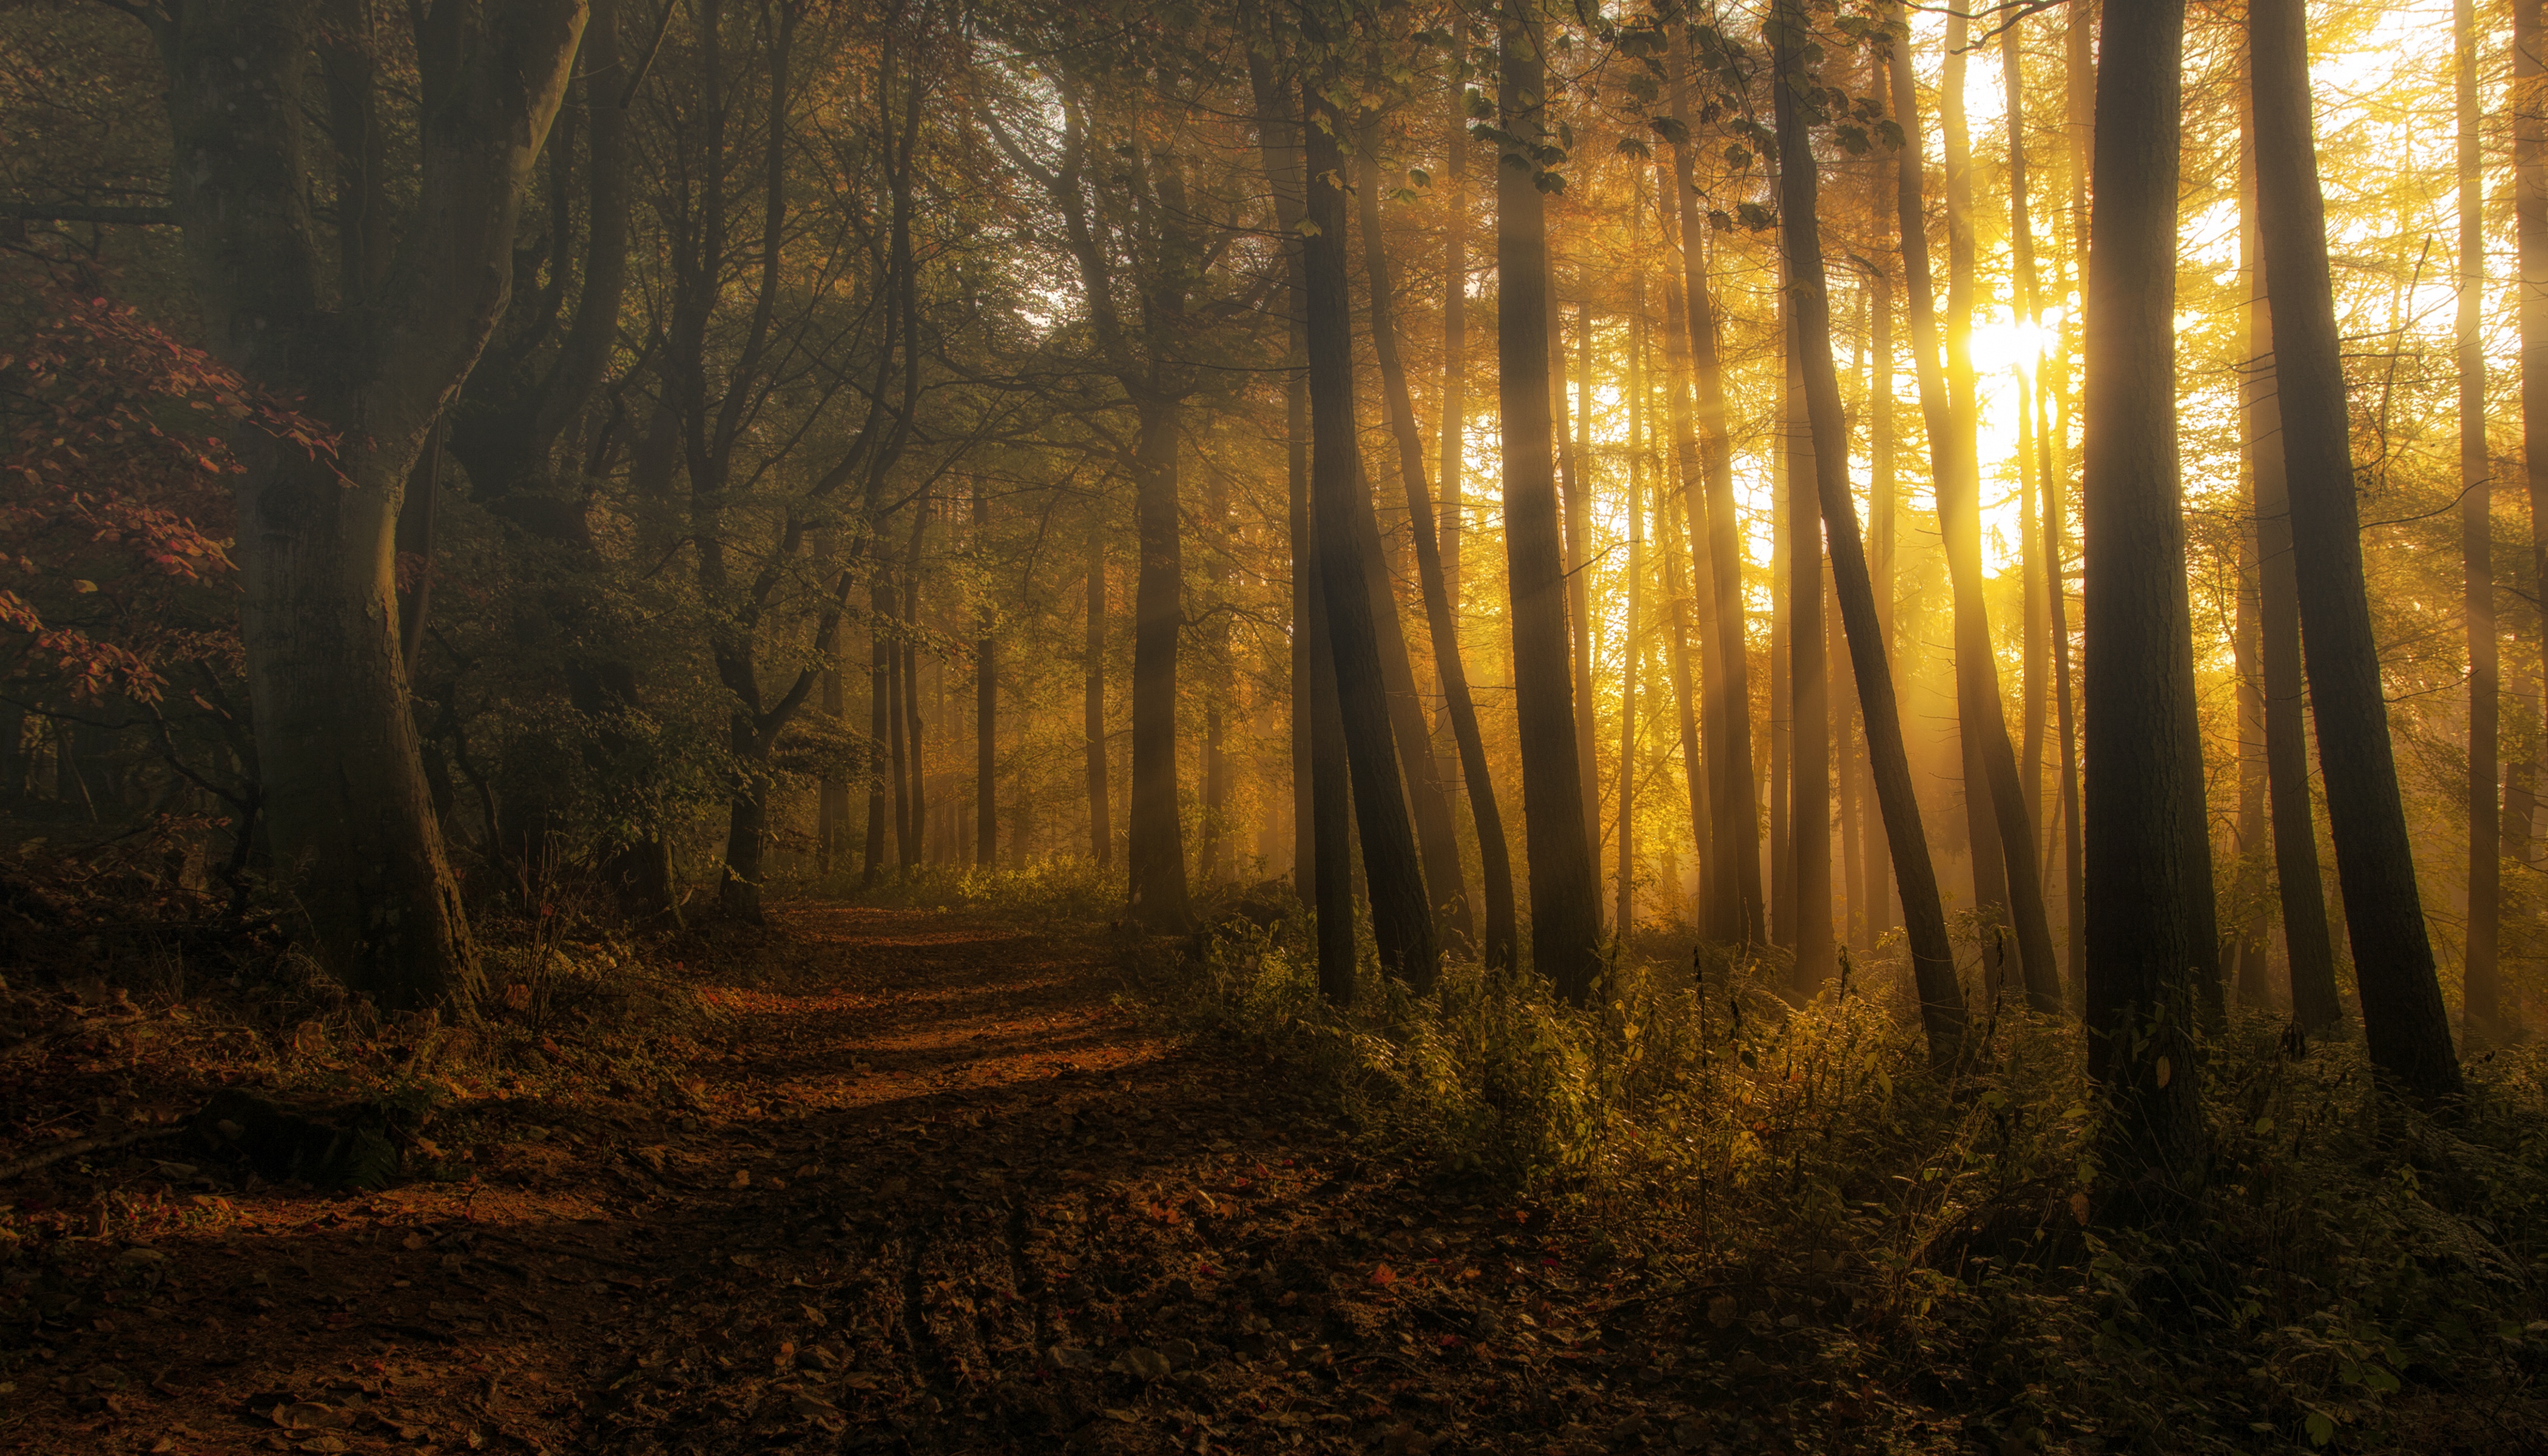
(1070, 1357)
(1140, 1362)
(1722, 1310)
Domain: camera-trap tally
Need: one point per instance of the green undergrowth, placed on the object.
(1916, 1248)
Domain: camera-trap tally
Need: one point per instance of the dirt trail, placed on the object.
(941, 1193)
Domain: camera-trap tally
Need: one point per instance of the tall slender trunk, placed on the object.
(1625, 913)
(2530, 225)
(1402, 918)
(1790, 442)
(1437, 833)
(2252, 980)
(1883, 509)
(1991, 783)
(1566, 916)
(2079, 85)
(1941, 1009)
(882, 723)
(1101, 835)
(1452, 437)
(1693, 690)
(1155, 848)
(2033, 478)
(1973, 650)
(2482, 991)
(986, 710)
(2145, 939)
(1739, 915)
(1809, 724)
(1575, 470)
(1442, 867)
(915, 844)
(2404, 1018)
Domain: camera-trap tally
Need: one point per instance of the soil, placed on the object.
(929, 1183)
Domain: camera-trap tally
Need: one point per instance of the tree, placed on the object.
(347, 805)
(2144, 936)
(2481, 997)
(1933, 963)
(1433, 576)
(2402, 1016)
(1402, 917)
(1565, 903)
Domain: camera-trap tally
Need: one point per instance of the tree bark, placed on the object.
(987, 709)
(2404, 1018)
(1101, 814)
(1402, 917)
(2482, 989)
(1156, 849)
(1442, 867)
(2530, 225)
(348, 810)
(2145, 939)
(1739, 915)
(1991, 762)
(1932, 962)
(1809, 723)
(1694, 691)
(1566, 916)
(1575, 465)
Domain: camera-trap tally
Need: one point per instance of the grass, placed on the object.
(2357, 1277)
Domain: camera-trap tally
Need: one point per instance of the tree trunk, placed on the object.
(1883, 509)
(2482, 991)
(1625, 915)
(1402, 917)
(1575, 466)
(1991, 783)
(2404, 1018)
(2144, 936)
(1101, 815)
(1740, 914)
(986, 710)
(1566, 915)
(1809, 724)
(2530, 208)
(348, 810)
(2252, 980)
(1695, 692)
(1785, 470)
(1452, 437)
(1442, 867)
(1932, 962)
(883, 733)
(2035, 480)
(1155, 853)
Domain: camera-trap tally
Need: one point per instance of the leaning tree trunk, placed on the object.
(347, 803)
(1402, 918)
(1566, 913)
(1933, 955)
(2403, 1020)
(2144, 936)
(1433, 578)
(2011, 878)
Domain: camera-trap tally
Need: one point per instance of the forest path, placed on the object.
(928, 1187)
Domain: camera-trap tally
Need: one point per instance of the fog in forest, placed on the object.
(954, 725)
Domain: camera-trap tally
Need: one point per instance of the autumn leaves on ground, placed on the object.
(910, 1179)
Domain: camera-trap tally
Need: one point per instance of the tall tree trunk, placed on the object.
(1566, 915)
(2530, 224)
(347, 808)
(2145, 939)
(1883, 509)
(1402, 917)
(1694, 691)
(915, 844)
(1785, 470)
(1972, 648)
(1156, 849)
(1575, 469)
(1991, 762)
(881, 721)
(986, 710)
(2033, 479)
(1436, 832)
(2253, 979)
(1740, 915)
(1440, 844)
(1932, 962)
(2482, 991)
(1101, 834)
(1809, 800)
(2403, 1020)
(1452, 437)
(1625, 914)
(2079, 85)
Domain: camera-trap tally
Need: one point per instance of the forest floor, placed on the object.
(926, 1181)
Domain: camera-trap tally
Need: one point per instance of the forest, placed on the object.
(1376, 726)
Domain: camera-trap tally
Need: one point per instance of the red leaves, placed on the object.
(104, 514)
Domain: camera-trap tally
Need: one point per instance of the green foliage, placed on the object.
(1939, 1234)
